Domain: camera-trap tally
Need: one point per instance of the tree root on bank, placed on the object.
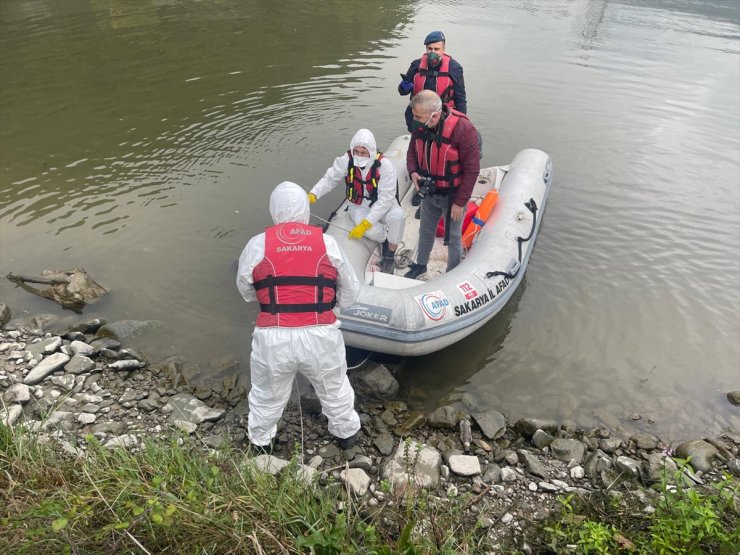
(72, 289)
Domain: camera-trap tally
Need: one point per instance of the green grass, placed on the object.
(176, 498)
(686, 520)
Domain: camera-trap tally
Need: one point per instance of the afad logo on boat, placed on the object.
(434, 304)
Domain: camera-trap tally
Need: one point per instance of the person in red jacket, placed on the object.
(444, 147)
(297, 275)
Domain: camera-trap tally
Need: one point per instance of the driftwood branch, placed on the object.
(31, 279)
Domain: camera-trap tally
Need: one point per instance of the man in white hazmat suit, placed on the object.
(297, 274)
(370, 186)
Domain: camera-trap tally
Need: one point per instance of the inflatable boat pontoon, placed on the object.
(401, 316)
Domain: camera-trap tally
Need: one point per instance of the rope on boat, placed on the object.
(532, 207)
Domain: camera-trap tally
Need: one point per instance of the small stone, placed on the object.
(528, 426)
(66, 382)
(356, 479)
(644, 441)
(734, 397)
(79, 364)
(316, 461)
(385, 443)
(541, 439)
(568, 449)
(81, 348)
(508, 474)
(329, 451)
(700, 453)
(610, 445)
(10, 415)
(511, 458)
(267, 464)
(185, 426)
(547, 487)
(464, 465)
(532, 486)
(47, 366)
(628, 466)
(361, 461)
(577, 473)
(86, 418)
(18, 393)
(508, 517)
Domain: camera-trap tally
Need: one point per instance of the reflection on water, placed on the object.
(141, 141)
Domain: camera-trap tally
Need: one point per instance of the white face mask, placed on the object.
(360, 161)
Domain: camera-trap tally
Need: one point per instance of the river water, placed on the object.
(141, 141)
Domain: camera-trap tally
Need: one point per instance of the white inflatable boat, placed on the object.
(401, 316)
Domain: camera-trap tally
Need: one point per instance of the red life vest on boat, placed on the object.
(295, 281)
(445, 87)
(359, 188)
(435, 154)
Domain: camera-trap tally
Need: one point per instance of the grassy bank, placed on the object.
(176, 498)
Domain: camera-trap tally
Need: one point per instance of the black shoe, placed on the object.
(417, 214)
(260, 449)
(416, 200)
(347, 442)
(415, 271)
(384, 248)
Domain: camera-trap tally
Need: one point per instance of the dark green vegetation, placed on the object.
(177, 498)
(685, 520)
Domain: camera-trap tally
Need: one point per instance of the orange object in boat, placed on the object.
(479, 220)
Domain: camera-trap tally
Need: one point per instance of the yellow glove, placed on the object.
(311, 198)
(360, 229)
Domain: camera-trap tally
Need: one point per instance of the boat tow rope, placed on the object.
(532, 207)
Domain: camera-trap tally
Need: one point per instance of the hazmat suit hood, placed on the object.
(289, 203)
(364, 137)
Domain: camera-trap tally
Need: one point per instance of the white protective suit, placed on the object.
(317, 352)
(385, 211)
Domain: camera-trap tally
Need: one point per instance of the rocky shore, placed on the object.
(70, 384)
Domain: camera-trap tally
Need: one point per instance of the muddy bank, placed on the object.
(68, 384)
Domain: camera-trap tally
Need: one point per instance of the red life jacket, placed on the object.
(295, 282)
(435, 154)
(358, 188)
(445, 87)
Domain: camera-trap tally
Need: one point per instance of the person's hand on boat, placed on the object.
(311, 198)
(359, 230)
(415, 179)
(457, 212)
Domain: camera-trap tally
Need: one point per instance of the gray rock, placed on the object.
(17, 393)
(66, 382)
(541, 439)
(492, 474)
(547, 487)
(595, 463)
(508, 474)
(148, 405)
(609, 445)
(59, 420)
(700, 454)
(733, 465)
(45, 346)
(88, 398)
(85, 418)
(126, 329)
(10, 415)
(385, 443)
(89, 407)
(577, 473)
(214, 441)
(445, 417)
(356, 480)
(89, 326)
(186, 407)
(528, 426)
(464, 465)
(656, 466)
(126, 441)
(4, 314)
(388, 418)
(532, 464)
(734, 397)
(378, 382)
(105, 343)
(185, 426)
(306, 474)
(316, 461)
(627, 466)
(361, 461)
(492, 423)
(644, 441)
(81, 348)
(416, 463)
(129, 397)
(267, 464)
(329, 451)
(113, 428)
(568, 449)
(50, 364)
(79, 364)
